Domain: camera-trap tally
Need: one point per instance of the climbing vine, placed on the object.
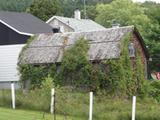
(115, 76)
(125, 77)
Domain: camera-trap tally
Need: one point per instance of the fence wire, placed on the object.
(74, 105)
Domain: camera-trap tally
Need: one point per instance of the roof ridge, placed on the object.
(71, 18)
(63, 17)
(131, 26)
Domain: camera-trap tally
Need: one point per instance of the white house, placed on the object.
(15, 30)
(8, 64)
(76, 24)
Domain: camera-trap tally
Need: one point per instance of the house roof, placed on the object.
(78, 25)
(49, 48)
(24, 23)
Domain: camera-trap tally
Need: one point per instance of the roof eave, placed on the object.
(19, 32)
(54, 17)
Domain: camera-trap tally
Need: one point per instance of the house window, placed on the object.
(131, 49)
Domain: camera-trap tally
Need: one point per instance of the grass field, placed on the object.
(75, 106)
(108, 109)
(9, 114)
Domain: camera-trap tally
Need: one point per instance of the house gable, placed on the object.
(58, 23)
(78, 25)
(140, 50)
(9, 36)
(24, 23)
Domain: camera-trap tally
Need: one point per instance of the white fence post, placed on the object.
(91, 105)
(13, 96)
(52, 101)
(134, 108)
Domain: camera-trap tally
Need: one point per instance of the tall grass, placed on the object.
(71, 104)
(5, 98)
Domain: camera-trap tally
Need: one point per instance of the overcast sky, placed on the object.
(158, 1)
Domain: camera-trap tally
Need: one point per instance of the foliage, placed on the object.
(75, 67)
(44, 9)
(91, 12)
(124, 76)
(105, 107)
(35, 74)
(152, 11)
(47, 85)
(69, 6)
(127, 67)
(154, 90)
(114, 82)
(14, 5)
(128, 13)
(145, 17)
(77, 71)
(117, 77)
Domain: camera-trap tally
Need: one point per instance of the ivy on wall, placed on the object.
(124, 76)
(35, 74)
(116, 76)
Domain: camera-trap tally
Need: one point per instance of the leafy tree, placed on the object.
(124, 12)
(145, 17)
(44, 9)
(91, 12)
(14, 5)
(152, 11)
(70, 5)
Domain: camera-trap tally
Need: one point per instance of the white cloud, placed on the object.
(157, 1)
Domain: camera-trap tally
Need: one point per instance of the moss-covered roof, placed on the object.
(49, 48)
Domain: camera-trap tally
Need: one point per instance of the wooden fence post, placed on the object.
(13, 96)
(134, 108)
(52, 101)
(91, 105)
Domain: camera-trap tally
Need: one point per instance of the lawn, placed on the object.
(9, 114)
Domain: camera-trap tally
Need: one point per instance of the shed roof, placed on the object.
(24, 23)
(79, 25)
(49, 48)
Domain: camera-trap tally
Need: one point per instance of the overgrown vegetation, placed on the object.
(106, 12)
(117, 77)
(44, 9)
(36, 74)
(75, 105)
(75, 67)
(15, 5)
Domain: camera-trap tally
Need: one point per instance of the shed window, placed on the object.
(131, 49)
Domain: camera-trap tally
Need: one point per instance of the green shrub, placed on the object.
(35, 74)
(154, 90)
(75, 67)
